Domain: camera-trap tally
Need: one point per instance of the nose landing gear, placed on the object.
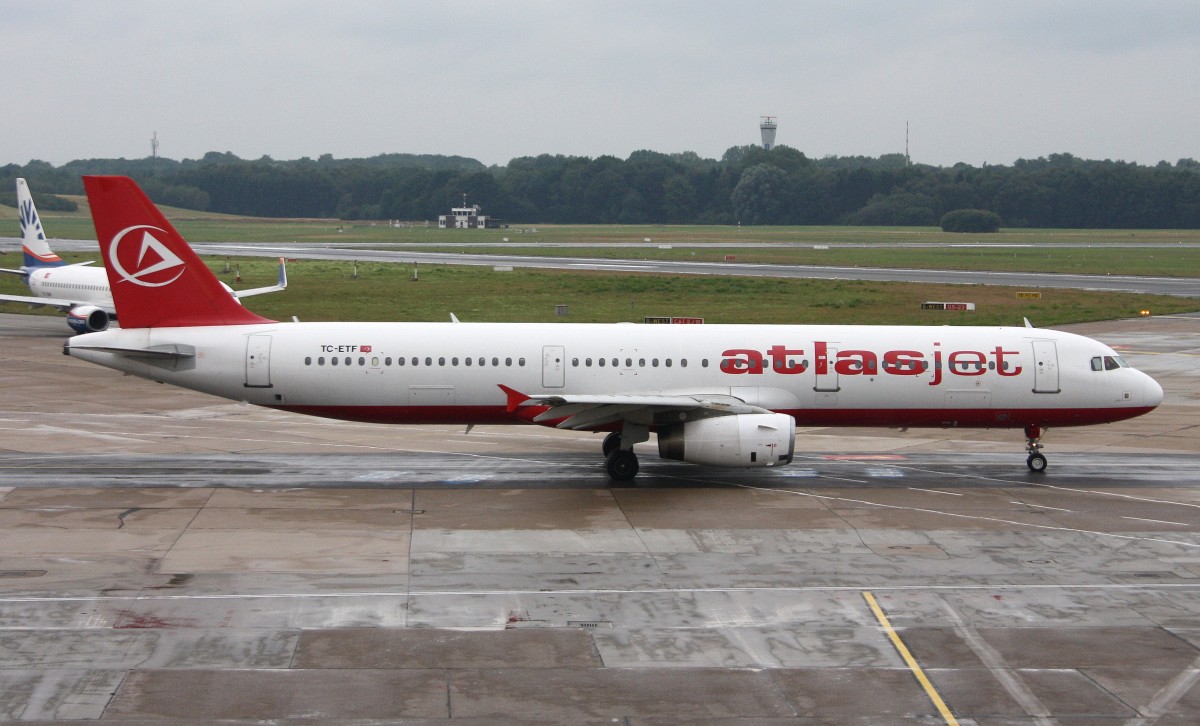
(1036, 461)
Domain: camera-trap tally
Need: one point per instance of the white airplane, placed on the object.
(80, 291)
(719, 395)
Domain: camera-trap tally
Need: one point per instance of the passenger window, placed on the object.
(668, 362)
(333, 361)
(704, 362)
(307, 360)
(454, 361)
(601, 362)
(508, 362)
(520, 361)
(467, 361)
(321, 361)
(347, 360)
(441, 361)
(587, 362)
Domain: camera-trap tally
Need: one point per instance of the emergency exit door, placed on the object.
(554, 366)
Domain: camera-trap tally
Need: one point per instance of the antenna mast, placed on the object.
(154, 146)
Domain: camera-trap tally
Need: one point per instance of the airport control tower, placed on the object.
(767, 126)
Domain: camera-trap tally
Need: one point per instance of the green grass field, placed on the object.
(321, 290)
(326, 290)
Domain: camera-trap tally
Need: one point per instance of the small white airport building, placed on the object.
(465, 217)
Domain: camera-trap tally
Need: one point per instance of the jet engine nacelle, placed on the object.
(88, 319)
(745, 440)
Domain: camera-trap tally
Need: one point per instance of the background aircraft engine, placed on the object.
(87, 319)
(747, 440)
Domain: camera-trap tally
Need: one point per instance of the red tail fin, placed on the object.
(157, 280)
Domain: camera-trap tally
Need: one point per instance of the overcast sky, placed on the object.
(977, 81)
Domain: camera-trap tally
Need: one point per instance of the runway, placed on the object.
(170, 556)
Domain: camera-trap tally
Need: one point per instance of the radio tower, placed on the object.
(767, 126)
(154, 146)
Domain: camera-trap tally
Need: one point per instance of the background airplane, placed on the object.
(718, 395)
(82, 292)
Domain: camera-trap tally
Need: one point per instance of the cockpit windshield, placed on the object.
(1108, 363)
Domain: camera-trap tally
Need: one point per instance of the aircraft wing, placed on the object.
(63, 305)
(26, 272)
(584, 412)
(281, 285)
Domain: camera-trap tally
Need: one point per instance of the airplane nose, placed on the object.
(1152, 392)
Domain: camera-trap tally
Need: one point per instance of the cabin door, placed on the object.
(258, 361)
(1045, 372)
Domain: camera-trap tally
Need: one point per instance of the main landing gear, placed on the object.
(619, 459)
(1036, 461)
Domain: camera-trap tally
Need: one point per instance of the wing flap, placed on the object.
(583, 412)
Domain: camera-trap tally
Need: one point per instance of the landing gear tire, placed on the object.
(612, 442)
(1033, 436)
(621, 465)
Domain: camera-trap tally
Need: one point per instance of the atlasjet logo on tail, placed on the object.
(154, 266)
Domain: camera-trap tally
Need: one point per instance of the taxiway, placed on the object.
(170, 556)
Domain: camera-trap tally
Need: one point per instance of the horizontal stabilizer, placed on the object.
(169, 351)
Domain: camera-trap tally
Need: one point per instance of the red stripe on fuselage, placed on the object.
(875, 417)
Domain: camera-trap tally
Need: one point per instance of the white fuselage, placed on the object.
(77, 283)
(819, 374)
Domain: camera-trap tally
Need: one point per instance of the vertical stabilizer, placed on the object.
(157, 280)
(37, 249)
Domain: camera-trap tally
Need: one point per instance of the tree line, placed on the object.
(747, 185)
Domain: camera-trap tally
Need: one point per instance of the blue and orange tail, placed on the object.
(157, 280)
(33, 238)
